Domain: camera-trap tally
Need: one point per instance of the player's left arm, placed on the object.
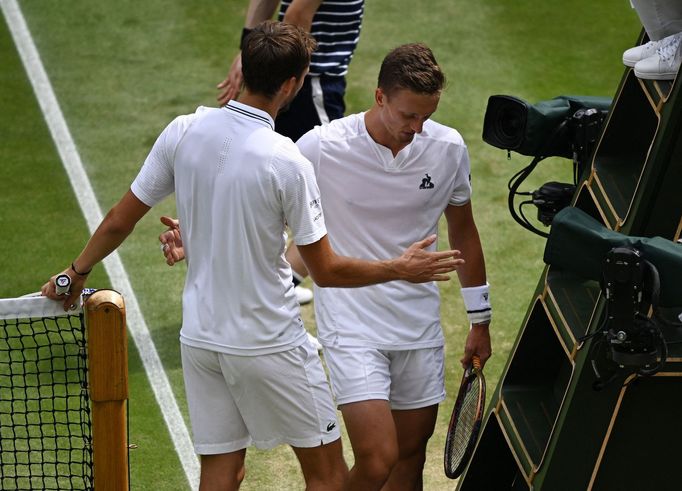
(116, 226)
(463, 236)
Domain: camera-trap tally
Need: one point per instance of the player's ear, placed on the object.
(290, 86)
(379, 97)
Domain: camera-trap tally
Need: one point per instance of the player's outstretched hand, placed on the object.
(417, 265)
(171, 241)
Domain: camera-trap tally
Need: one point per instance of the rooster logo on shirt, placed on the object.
(426, 182)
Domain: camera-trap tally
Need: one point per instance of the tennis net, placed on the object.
(51, 404)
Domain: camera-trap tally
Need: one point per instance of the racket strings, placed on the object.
(467, 416)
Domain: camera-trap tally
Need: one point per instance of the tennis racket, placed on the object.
(465, 422)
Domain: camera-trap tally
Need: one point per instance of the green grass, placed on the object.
(122, 70)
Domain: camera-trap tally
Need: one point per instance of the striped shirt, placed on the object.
(336, 28)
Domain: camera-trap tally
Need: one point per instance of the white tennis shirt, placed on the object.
(375, 207)
(237, 184)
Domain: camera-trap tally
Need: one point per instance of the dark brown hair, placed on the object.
(412, 67)
(273, 53)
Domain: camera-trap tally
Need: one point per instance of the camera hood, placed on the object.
(536, 130)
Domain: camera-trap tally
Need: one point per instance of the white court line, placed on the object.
(93, 215)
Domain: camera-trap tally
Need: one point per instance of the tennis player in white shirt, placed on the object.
(386, 177)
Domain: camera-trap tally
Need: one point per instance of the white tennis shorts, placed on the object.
(265, 400)
(408, 379)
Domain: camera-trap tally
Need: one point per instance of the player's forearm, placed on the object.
(472, 278)
(346, 272)
(301, 13)
(258, 11)
(116, 226)
(417, 265)
(463, 236)
(327, 269)
(472, 273)
(106, 239)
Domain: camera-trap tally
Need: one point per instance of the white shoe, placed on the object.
(314, 342)
(304, 295)
(663, 65)
(633, 55)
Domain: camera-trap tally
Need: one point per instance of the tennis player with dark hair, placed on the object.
(251, 375)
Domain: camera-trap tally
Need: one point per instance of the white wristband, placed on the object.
(477, 303)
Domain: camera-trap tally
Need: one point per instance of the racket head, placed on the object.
(465, 421)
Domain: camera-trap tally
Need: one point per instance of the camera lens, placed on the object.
(505, 121)
(510, 123)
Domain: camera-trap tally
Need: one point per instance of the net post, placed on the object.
(108, 372)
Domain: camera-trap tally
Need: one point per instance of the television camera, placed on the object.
(566, 126)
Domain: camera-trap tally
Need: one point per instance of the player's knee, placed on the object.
(221, 472)
(415, 447)
(241, 474)
(377, 466)
(413, 452)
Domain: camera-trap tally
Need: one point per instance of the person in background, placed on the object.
(660, 58)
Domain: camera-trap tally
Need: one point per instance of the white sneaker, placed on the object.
(663, 65)
(633, 55)
(304, 295)
(314, 342)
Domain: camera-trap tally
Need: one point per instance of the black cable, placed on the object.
(513, 185)
(518, 178)
(529, 225)
(515, 176)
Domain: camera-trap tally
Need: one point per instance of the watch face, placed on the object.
(63, 280)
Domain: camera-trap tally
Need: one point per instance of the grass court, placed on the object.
(122, 70)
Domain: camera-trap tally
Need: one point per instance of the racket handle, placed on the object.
(477, 363)
(62, 284)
